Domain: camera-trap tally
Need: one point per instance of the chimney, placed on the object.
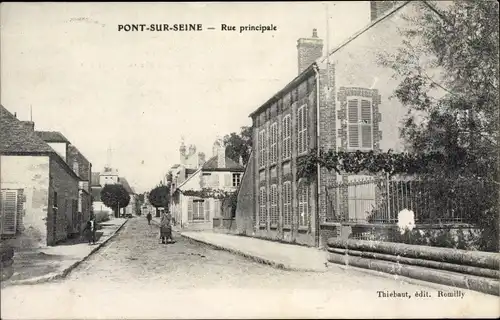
(241, 161)
(182, 153)
(221, 155)
(309, 50)
(201, 159)
(380, 8)
(30, 125)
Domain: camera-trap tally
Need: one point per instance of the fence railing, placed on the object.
(380, 199)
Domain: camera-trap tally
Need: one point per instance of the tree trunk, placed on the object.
(157, 212)
(116, 212)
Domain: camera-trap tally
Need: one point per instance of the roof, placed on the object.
(126, 185)
(292, 84)
(74, 150)
(95, 179)
(52, 136)
(231, 165)
(17, 139)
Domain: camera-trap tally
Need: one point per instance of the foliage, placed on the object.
(101, 216)
(359, 162)
(239, 145)
(208, 193)
(159, 196)
(455, 110)
(115, 196)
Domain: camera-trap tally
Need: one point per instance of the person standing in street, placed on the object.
(89, 230)
(166, 228)
(149, 217)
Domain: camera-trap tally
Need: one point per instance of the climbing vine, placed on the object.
(208, 193)
(359, 162)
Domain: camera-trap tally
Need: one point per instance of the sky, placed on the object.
(139, 93)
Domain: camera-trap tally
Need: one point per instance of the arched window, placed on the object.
(303, 197)
(287, 204)
(262, 206)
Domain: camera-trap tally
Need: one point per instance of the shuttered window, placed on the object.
(228, 180)
(198, 210)
(215, 180)
(287, 137)
(274, 204)
(303, 196)
(302, 129)
(9, 212)
(287, 204)
(360, 124)
(262, 206)
(273, 152)
(262, 148)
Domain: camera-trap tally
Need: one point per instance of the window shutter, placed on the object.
(366, 111)
(207, 210)
(354, 135)
(9, 211)
(190, 209)
(366, 136)
(227, 179)
(299, 127)
(352, 106)
(366, 129)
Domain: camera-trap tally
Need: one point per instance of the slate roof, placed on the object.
(16, 138)
(52, 136)
(231, 165)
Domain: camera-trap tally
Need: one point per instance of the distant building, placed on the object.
(218, 173)
(40, 191)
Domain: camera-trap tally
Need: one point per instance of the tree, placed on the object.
(115, 197)
(239, 145)
(159, 197)
(455, 110)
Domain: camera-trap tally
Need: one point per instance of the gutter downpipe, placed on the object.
(316, 218)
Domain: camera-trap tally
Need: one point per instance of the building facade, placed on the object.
(333, 104)
(40, 192)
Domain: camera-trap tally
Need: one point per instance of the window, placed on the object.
(360, 123)
(262, 206)
(198, 210)
(274, 204)
(302, 129)
(287, 204)
(262, 148)
(273, 152)
(236, 179)
(286, 137)
(8, 212)
(303, 196)
(54, 201)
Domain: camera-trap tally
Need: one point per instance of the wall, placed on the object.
(66, 186)
(245, 208)
(30, 173)
(108, 179)
(60, 148)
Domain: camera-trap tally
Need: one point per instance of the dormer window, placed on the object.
(75, 166)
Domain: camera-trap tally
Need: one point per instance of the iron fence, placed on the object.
(378, 200)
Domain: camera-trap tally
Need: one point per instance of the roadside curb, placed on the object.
(62, 274)
(269, 262)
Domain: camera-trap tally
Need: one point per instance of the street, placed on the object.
(135, 276)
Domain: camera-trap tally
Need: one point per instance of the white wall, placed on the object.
(108, 179)
(356, 65)
(30, 173)
(60, 148)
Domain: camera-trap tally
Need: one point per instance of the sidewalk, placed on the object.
(279, 255)
(39, 265)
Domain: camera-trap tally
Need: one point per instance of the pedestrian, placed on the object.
(89, 230)
(166, 228)
(149, 217)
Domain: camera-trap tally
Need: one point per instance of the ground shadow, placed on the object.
(31, 263)
(80, 239)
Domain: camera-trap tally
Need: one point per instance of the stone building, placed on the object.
(333, 104)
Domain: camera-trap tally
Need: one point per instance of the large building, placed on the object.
(333, 104)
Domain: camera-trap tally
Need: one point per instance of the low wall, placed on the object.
(472, 270)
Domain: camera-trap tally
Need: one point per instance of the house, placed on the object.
(341, 103)
(99, 180)
(219, 173)
(82, 168)
(40, 191)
